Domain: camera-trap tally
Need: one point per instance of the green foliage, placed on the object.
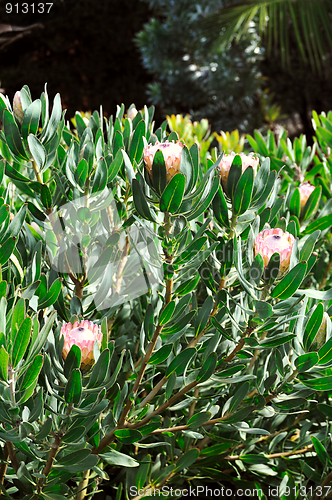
(209, 359)
(192, 76)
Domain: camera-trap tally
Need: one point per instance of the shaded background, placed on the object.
(90, 57)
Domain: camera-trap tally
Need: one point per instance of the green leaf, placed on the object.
(254, 459)
(31, 119)
(100, 177)
(54, 120)
(197, 420)
(81, 172)
(191, 251)
(263, 309)
(51, 295)
(308, 245)
(238, 397)
(325, 352)
(306, 361)
(291, 282)
(187, 459)
(128, 436)
(4, 358)
(272, 270)
(119, 459)
(208, 368)
(321, 223)
(320, 450)
(167, 313)
(161, 355)
(73, 360)
(74, 434)
(325, 409)
(294, 204)
(172, 196)
(140, 202)
(74, 458)
(36, 346)
(312, 203)
(21, 341)
(137, 144)
(318, 384)
(188, 286)
(159, 172)
(234, 175)
(7, 249)
(203, 315)
(312, 326)
(15, 226)
(32, 372)
(37, 150)
(179, 363)
(115, 166)
(73, 389)
(100, 370)
(220, 209)
(36, 212)
(243, 192)
(13, 136)
(148, 321)
(17, 317)
(46, 197)
(276, 340)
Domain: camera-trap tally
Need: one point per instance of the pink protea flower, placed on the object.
(270, 241)
(172, 155)
(226, 161)
(83, 334)
(132, 113)
(305, 191)
(17, 107)
(320, 337)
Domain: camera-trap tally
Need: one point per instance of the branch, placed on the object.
(54, 449)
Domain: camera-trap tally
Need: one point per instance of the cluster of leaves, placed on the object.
(209, 373)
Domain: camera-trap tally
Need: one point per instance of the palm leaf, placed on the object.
(308, 20)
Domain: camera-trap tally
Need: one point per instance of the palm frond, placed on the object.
(279, 21)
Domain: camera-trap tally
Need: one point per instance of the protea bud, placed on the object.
(320, 337)
(172, 155)
(17, 107)
(132, 113)
(270, 241)
(226, 161)
(305, 191)
(83, 334)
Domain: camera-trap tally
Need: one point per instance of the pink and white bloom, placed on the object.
(320, 337)
(270, 241)
(17, 107)
(83, 334)
(132, 113)
(226, 161)
(172, 155)
(305, 191)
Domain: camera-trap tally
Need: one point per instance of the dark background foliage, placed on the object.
(90, 56)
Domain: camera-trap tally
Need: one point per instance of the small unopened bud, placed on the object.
(320, 337)
(83, 334)
(270, 241)
(305, 191)
(132, 113)
(17, 107)
(226, 161)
